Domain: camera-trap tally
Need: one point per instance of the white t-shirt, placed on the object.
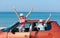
(42, 27)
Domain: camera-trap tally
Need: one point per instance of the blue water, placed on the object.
(10, 18)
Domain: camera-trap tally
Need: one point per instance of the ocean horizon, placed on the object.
(10, 18)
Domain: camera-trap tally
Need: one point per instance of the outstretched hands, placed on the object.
(14, 9)
(48, 18)
(29, 12)
(50, 14)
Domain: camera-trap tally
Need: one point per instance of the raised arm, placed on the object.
(29, 13)
(48, 18)
(14, 9)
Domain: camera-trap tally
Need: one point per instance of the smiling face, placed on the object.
(41, 23)
(21, 17)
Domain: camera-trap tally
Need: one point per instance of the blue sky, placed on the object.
(26, 5)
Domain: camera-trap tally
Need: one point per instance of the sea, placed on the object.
(10, 18)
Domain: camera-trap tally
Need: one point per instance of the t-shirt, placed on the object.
(42, 27)
(22, 21)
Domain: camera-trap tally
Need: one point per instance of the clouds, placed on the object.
(25, 5)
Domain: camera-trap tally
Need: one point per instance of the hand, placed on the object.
(50, 14)
(14, 9)
(29, 12)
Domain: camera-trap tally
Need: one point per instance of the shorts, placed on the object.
(21, 28)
